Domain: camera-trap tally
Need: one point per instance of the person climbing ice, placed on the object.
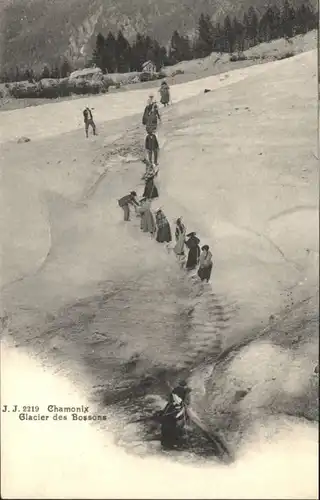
(182, 390)
(175, 417)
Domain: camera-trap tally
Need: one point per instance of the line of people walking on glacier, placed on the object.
(156, 224)
(149, 120)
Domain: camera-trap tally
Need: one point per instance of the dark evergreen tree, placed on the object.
(288, 16)
(275, 23)
(55, 73)
(149, 47)
(27, 75)
(186, 50)
(99, 53)
(313, 17)
(45, 72)
(266, 26)
(65, 69)
(246, 38)
(138, 53)
(159, 55)
(251, 26)
(270, 25)
(18, 77)
(206, 37)
(163, 56)
(229, 34)
(5, 77)
(219, 41)
(239, 33)
(180, 49)
(301, 20)
(174, 54)
(144, 49)
(306, 19)
(123, 53)
(110, 56)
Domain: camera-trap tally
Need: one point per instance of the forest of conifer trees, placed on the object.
(114, 53)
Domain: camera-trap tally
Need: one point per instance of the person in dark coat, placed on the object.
(152, 147)
(182, 390)
(173, 425)
(194, 251)
(151, 116)
(163, 228)
(205, 267)
(125, 201)
(164, 93)
(88, 121)
(150, 190)
(175, 417)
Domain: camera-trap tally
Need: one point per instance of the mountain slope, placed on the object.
(39, 31)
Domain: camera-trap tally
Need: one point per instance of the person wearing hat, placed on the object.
(163, 228)
(150, 190)
(164, 94)
(175, 417)
(151, 115)
(151, 99)
(182, 391)
(125, 201)
(88, 121)
(150, 170)
(194, 251)
(147, 224)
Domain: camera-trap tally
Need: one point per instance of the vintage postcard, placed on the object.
(159, 249)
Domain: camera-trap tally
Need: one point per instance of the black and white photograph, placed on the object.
(159, 241)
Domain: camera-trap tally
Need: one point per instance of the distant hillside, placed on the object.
(41, 31)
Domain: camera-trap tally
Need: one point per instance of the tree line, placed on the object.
(114, 53)
(62, 70)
